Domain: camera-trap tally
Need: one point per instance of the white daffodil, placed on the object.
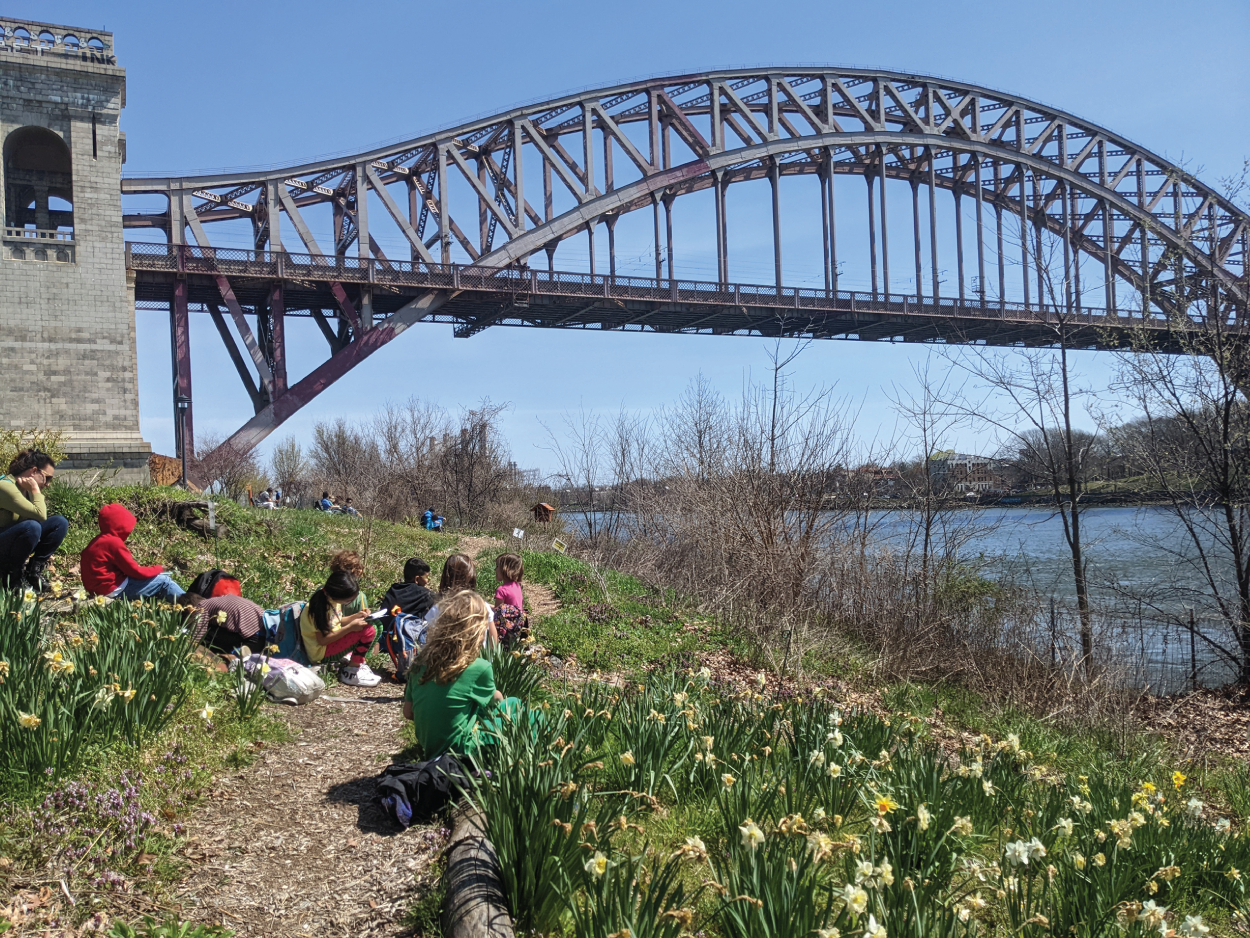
(752, 836)
(597, 865)
(923, 817)
(855, 897)
(1193, 927)
(1017, 853)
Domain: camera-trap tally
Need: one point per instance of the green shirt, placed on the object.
(449, 716)
(16, 505)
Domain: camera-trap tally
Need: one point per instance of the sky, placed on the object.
(233, 84)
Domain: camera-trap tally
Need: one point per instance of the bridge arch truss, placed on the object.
(1089, 215)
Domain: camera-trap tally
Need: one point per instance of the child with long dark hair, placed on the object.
(328, 631)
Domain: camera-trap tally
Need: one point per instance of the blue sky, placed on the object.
(230, 84)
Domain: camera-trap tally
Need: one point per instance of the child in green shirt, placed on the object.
(450, 695)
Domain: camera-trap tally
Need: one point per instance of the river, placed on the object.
(1137, 565)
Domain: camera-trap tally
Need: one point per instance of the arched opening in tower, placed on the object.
(38, 181)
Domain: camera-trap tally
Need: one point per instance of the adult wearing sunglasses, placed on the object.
(28, 534)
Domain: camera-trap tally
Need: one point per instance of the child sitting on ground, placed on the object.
(348, 561)
(413, 596)
(109, 569)
(328, 631)
(460, 573)
(509, 619)
(450, 696)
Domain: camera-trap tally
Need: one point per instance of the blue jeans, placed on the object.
(30, 540)
(161, 586)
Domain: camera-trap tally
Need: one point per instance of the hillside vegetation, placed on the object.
(688, 789)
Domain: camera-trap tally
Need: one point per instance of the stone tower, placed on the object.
(67, 324)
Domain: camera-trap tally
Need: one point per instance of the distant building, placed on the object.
(964, 473)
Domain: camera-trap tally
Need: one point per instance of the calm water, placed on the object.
(1132, 553)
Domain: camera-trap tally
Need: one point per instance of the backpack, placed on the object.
(415, 791)
(401, 635)
(285, 631)
(206, 583)
(293, 684)
(511, 623)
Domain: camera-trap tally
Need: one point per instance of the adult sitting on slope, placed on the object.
(28, 534)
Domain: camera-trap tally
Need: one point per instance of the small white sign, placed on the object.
(559, 546)
(518, 534)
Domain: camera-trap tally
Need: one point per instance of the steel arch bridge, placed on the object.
(1048, 208)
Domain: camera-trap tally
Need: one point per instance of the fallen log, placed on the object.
(474, 906)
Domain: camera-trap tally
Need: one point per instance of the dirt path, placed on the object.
(294, 845)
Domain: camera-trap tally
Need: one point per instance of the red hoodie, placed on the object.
(107, 561)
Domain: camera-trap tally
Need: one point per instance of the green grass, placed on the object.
(280, 556)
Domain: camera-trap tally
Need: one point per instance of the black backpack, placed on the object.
(204, 583)
(416, 791)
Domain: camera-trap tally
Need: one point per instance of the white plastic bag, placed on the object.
(293, 684)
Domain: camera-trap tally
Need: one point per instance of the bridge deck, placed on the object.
(484, 297)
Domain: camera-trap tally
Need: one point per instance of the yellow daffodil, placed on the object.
(627, 758)
(28, 721)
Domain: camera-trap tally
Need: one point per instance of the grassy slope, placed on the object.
(607, 621)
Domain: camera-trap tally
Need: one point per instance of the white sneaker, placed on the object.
(362, 676)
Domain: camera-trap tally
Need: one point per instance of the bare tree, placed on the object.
(225, 468)
(289, 468)
(942, 528)
(474, 464)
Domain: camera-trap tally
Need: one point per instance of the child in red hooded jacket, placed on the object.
(109, 569)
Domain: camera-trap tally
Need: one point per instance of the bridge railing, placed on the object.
(522, 282)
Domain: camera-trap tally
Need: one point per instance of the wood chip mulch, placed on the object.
(294, 845)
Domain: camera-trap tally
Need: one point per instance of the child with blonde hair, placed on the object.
(450, 696)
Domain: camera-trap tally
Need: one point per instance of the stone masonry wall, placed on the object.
(67, 337)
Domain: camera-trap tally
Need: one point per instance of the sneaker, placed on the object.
(361, 676)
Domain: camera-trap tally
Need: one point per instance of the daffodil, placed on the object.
(1017, 853)
(627, 758)
(817, 759)
(1178, 782)
(923, 817)
(727, 780)
(874, 929)
(855, 898)
(752, 836)
(863, 871)
(962, 826)
(28, 596)
(1065, 826)
(885, 804)
(206, 713)
(1194, 807)
(834, 770)
(1193, 927)
(820, 844)
(28, 721)
(148, 666)
(597, 865)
